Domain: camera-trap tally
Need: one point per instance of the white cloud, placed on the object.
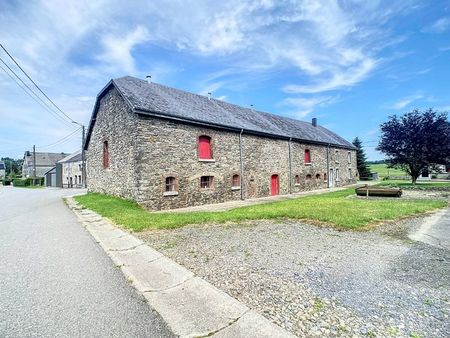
(301, 106)
(406, 101)
(117, 49)
(439, 26)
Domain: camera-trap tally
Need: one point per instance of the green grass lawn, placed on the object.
(331, 208)
(384, 171)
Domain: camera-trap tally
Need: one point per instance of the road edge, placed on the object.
(189, 305)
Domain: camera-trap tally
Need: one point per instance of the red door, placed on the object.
(274, 185)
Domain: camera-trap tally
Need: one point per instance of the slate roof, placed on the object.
(75, 157)
(155, 99)
(44, 159)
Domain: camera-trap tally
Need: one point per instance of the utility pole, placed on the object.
(83, 158)
(34, 161)
(83, 155)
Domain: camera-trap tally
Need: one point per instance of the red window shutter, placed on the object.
(204, 147)
(105, 155)
(307, 156)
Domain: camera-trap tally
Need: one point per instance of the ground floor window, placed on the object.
(236, 181)
(337, 174)
(317, 176)
(297, 180)
(350, 173)
(170, 184)
(206, 182)
(308, 177)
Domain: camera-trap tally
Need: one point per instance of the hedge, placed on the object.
(18, 182)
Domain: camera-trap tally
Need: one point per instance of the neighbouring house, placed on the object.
(434, 171)
(2, 170)
(71, 170)
(50, 179)
(44, 162)
(166, 148)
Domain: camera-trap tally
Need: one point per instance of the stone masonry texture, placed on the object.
(144, 150)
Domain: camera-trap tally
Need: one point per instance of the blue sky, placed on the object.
(349, 63)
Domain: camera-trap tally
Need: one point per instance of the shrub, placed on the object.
(18, 182)
(6, 181)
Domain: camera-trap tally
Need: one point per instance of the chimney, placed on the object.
(209, 95)
(314, 122)
(149, 78)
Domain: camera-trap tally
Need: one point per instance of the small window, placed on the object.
(349, 157)
(350, 173)
(307, 156)
(317, 176)
(308, 177)
(170, 184)
(337, 174)
(297, 179)
(79, 179)
(324, 176)
(204, 148)
(105, 154)
(236, 181)
(337, 156)
(206, 182)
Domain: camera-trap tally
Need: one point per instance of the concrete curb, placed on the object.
(190, 306)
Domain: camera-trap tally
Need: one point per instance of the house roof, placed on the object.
(74, 157)
(2, 165)
(158, 100)
(44, 159)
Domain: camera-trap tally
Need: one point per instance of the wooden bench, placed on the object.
(378, 191)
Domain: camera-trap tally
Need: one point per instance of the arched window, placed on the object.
(204, 147)
(324, 176)
(337, 174)
(336, 156)
(349, 157)
(105, 154)
(308, 177)
(350, 173)
(170, 184)
(317, 176)
(236, 181)
(307, 156)
(297, 179)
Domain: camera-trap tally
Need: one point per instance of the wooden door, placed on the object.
(274, 185)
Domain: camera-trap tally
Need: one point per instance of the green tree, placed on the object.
(13, 167)
(361, 159)
(416, 140)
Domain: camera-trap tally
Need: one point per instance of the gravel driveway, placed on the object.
(317, 281)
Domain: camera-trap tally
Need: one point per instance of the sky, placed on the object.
(350, 63)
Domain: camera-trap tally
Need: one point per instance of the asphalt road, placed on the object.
(55, 281)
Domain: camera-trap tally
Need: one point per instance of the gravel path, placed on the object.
(317, 281)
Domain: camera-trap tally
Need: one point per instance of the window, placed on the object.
(349, 157)
(307, 156)
(204, 148)
(308, 177)
(350, 173)
(317, 176)
(297, 179)
(337, 174)
(105, 154)
(336, 156)
(324, 176)
(170, 184)
(76, 178)
(79, 179)
(206, 182)
(236, 181)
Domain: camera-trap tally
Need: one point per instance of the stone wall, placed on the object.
(146, 150)
(116, 124)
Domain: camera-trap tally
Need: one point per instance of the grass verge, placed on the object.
(332, 208)
(417, 186)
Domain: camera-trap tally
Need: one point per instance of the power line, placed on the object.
(54, 104)
(33, 95)
(60, 141)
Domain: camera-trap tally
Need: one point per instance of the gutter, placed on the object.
(241, 164)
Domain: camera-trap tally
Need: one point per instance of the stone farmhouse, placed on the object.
(42, 162)
(2, 170)
(166, 148)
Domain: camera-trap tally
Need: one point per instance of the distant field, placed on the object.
(384, 171)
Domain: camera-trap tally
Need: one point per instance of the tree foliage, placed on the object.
(361, 159)
(416, 140)
(13, 167)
